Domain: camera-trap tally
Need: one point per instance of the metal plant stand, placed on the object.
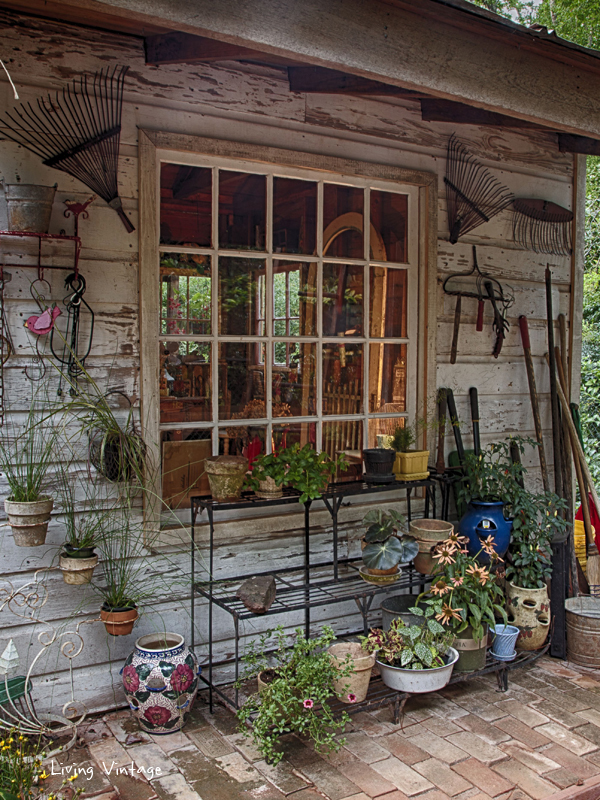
(300, 587)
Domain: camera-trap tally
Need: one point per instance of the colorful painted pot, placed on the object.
(481, 520)
(160, 679)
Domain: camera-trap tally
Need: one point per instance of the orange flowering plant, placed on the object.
(463, 591)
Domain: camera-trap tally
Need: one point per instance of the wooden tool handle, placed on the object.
(534, 400)
(442, 405)
(454, 348)
(455, 426)
(475, 419)
(480, 310)
(524, 327)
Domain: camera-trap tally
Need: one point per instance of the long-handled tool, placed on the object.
(475, 420)
(534, 400)
(455, 330)
(440, 466)
(455, 426)
(593, 556)
(553, 393)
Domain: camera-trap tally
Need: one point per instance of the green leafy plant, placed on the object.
(403, 439)
(299, 683)
(309, 471)
(387, 546)
(411, 646)
(465, 593)
(382, 524)
(273, 466)
(492, 475)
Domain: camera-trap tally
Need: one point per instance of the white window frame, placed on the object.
(421, 189)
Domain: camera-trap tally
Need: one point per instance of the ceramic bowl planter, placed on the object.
(472, 652)
(118, 621)
(379, 462)
(418, 681)
(160, 679)
(385, 579)
(481, 520)
(352, 688)
(226, 476)
(29, 521)
(411, 465)
(428, 533)
(78, 570)
(529, 611)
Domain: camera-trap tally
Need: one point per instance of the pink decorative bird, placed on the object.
(43, 323)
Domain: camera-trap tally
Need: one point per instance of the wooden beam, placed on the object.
(433, 110)
(583, 145)
(185, 48)
(318, 80)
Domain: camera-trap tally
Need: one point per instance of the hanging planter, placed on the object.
(118, 621)
(117, 452)
(78, 566)
(29, 521)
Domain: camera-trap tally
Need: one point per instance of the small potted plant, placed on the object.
(386, 547)
(379, 463)
(309, 472)
(25, 458)
(409, 465)
(413, 658)
(295, 687)
(268, 474)
(466, 598)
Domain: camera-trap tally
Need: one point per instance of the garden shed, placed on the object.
(245, 304)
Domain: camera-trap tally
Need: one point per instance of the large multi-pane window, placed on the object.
(284, 317)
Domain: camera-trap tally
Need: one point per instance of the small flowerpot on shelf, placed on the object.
(411, 465)
(268, 489)
(428, 534)
(379, 462)
(399, 605)
(77, 570)
(118, 621)
(226, 476)
(354, 687)
(29, 521)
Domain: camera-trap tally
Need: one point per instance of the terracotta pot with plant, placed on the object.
(269, 472)
(386, 547)
(296, 685)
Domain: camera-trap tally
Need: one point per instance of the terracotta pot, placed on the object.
(372, 571)
(268, 489)
(411, 466)
(352, 688)
(428, 533)
(226, 476)
(529, 611)
(29, 521)
(118, 621)
(471, 651)
(160, 679)
(77, 571)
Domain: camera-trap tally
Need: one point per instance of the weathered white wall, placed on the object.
(253, 104)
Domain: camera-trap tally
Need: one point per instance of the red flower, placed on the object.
(182, 678)
(157, 715)
(131, 681)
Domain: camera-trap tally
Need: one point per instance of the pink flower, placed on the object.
(351, 698)
(308, 703)
(157, 715)
(182, 678)
(131, 680)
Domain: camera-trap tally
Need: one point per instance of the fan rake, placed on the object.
(473, 195)
(542, 226)
(78, 131)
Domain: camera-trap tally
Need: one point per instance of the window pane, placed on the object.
(183, 455)
(185, 382)
(342, 300)
(243, 440)
(342, 378)
(388, 301)
(387, 378)
(345, 437)
(343, 221)
(286, 434)
(241, 380)
(185, 294)
(185, 205)
(382, 430)
(294, 299)
(294, 390)
(241, 296)
(294, 216)
(389, 213)
(242, 210)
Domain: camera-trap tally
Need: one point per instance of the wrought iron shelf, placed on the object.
(42, 237)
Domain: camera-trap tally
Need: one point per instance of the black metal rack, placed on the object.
(299, 587)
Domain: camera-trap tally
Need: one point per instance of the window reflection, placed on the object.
(289, 433)
(342, 300)
(343, 211)
(185, 205)
(294, 216)
(387, 378)
(294, 387)
(388, 302)
(185, 294)
(241, 380)
(185, 382)
(345, 437)
(389, 212)
(183, 456)
(294, 299)
(342, 378)
(241, 296)
(242, 210)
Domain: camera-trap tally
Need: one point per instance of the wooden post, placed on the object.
(555, 408)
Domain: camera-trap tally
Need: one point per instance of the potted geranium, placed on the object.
(413, 658)
(294, 689)
(386, 546)
(409, 465)
(466, 598)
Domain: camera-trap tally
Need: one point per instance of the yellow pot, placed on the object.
(412, 465)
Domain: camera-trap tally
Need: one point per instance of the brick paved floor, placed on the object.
(540, 739)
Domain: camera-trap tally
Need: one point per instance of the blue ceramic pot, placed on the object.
(484, 519)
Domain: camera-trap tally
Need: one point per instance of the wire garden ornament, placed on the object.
(17, 708)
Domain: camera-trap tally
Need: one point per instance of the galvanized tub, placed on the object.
(583, 631)
(29, 206)
(397, 606)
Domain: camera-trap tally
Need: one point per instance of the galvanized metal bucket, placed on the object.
(29, 206)
(583, 631)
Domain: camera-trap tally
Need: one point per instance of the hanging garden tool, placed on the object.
(6, 343)
(473, 195)
(500, 323)
(71, 356)
(542, 226)
(79, 132)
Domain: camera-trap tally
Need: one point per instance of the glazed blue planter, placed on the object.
(483, 519)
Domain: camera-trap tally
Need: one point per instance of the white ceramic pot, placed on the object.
(29, 521)
(418, 681)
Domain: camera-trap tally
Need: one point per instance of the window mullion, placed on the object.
(366, 313)
(269, 316)
(215, 312)
(319, 316)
